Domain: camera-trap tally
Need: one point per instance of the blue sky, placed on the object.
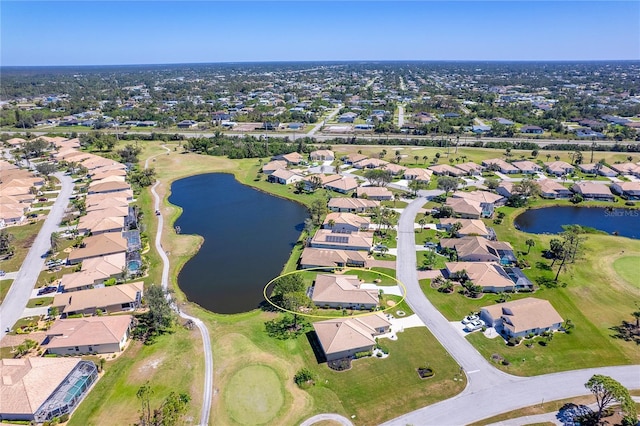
(123, 32)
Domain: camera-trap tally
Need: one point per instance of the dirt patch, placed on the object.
(391, 303)
(147, 369)
(17, 339)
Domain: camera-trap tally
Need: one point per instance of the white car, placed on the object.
(474, 325)
(470, 318)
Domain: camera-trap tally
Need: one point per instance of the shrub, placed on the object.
(363, 354)
(303, 377)
(64, 418)
(340, 364)
(382, 347)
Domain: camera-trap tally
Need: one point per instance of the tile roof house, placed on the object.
(470, 227)
(343, 185)
(352, 205)
(293, 158)
(527, 167)
(626, 168)
(39, 389)
(116, 298)
(344, 337)
(593, 191)
(395, 169)
(370, 163)
(346, 222)
(322, 155)
(519, 318)
(500, 165)
(100, 187)
(466, 209)
(97, 246)
(103, 334)
(489, 275)
(284, 177)
(97, 223)
(593, 168)
(325, 238)
(629, 190)
(377, 193)
(505, 188)
(95, 271)
(272, 166)
(559, 168)
(353, 158)
(478, 249)
(446, 170)
(421, 175)
(331, 258)
(470, 168)
(342, 291)
(552, 189)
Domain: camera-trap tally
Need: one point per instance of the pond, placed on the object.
(617, 221)
(248, 237)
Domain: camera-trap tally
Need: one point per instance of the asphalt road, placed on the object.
(318, 126)
(25, 280)
(400, 116)
(204, 332)
(489, 391)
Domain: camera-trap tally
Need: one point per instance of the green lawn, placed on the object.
(371, 275)
(439, 263)
(5, 285)
(38, 302)
(172, 363)
(254, 395)
(628, 268)
(23, 237)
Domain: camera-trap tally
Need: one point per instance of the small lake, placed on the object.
(624, 222)
(248, 237)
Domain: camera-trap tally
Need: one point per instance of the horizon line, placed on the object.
(323, 61)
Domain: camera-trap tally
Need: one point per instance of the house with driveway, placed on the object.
(420, 175)
(500, 165)
(332, 258)
(593, 191)
(479, 249)
(322, 155)
(527, 167)
(346, 222)
(489, 275)
(326, 238)
(470, 227)
(98, 246)
(345, 337)
(378, 193)
(116, 298)
(352, 205)
(559, 168)
(600, 169)
(284, 177)
(551, 189)
(343, 185)
(342, 291)
(628, 190)
(519, 318)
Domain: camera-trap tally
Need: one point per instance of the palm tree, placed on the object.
(530, 243)
(422, 222)
(548, 156)
(424, 159)
(416, 158)
(55, 241)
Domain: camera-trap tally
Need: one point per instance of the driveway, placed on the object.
(13, 305)
(485, 382)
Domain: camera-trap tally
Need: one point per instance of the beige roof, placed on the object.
(116, 199)
(374, 191)
(78, 301)
(470, 245)
(503, 165)
(370, 163)
(293, 157)
(345, 184)
(526, 166)
(330, 288)
(97, 162)
(16, 141)
(548, 186)
(394, 168)
(469, 226)
(418, 174)
(355, 240)
(100, 174)
(347, 219)
(285, 174)
(98, 187)
(627, 186)
(352, 203)
(558, 167)
(592, 188)
(625, 168)
(337, 335)
(484, 274)
(322, 153)
(462, 206)
(445, 169)
(88, 331)
(109, 265)
(81, 279)
(479, 196)
(109, 211)
(96, 223)
(331, 257)
(111, 178)
(274, 165)
(525, 314)
(28, 382)
(100, 245)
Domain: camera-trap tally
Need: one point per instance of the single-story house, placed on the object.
(272, 166)
(420, 175)
(103, 334)
(466, 209)
(353, 158)
(116, 298)
(478, 249)
(552, 189)
(536, 130)
(326, 238)
(96, 223)
(330, 258)
(470, 168)
(187, 124)
(378, 193)
(527, 167)
(505, 189)
(626, 168)
(344, 337)
(470, 227)
(370, 163)
(38, 389)
(322, 155)
(346, 222)
(347, 117)
(293, 158)
(446, 170)
(98, 246)
(100, 187)
(284, 177)
(559, 168)
(519, 318)
(394, 169)
(593, 191)
(500, 165)
(352, 205)
(342, 291)
(593, 168)
(489, 275)
(629, 190)
(488, 200)
(343, 185)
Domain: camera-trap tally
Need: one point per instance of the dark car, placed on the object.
(47, 290)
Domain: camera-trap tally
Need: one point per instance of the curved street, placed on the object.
(13, 305)
(204, 332)
(489, 391)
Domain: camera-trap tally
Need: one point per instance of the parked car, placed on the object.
(47, 290)
(474, 325)
(430, 244)
(470, 318)
(2, 273)
(157, 212)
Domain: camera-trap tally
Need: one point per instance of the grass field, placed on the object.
(170, 364)
(38, 302)
(5, 285)
(23, 237)
(628, 268)
(254, 395)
